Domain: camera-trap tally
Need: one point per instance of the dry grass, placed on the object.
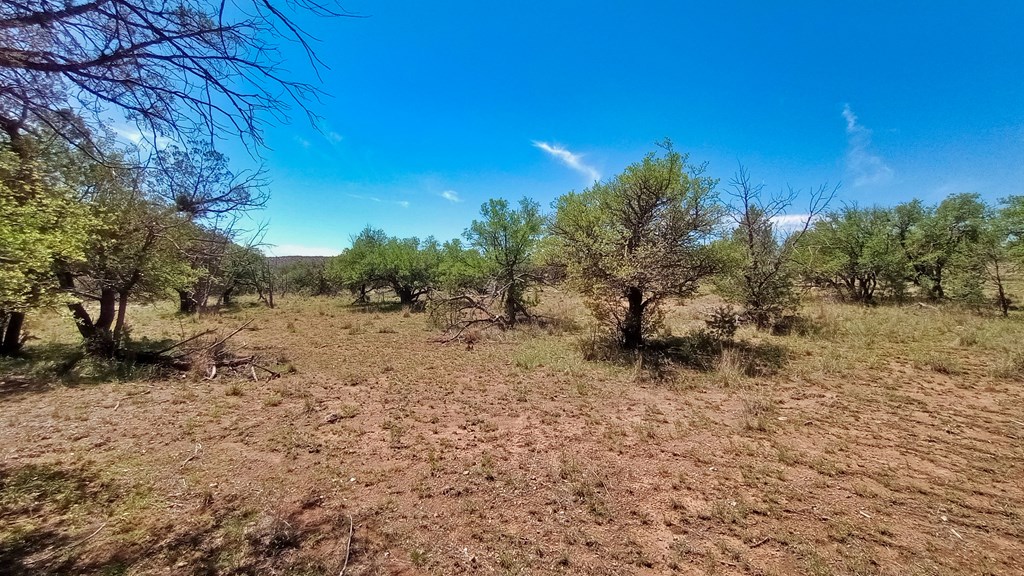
(889, 441)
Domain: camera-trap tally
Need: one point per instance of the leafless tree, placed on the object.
(763, 281)
(187, 68)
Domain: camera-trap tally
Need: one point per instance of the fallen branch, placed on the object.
(272, 373)
(225, 339)
(348, 545)
(234, 362)
(73, 545)
(185, 341)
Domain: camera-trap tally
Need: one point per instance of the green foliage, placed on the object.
(462, 269)
(637, 239)
(507, 240)
(857, 252)
(42, 224)
(305, 277)
(939, 241)
(408, 266)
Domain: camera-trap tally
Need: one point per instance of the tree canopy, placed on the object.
(639, 238)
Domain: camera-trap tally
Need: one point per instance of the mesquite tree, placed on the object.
(507, 239)
(639, 238)
(41, 223)
(186, 68)
(762, 276)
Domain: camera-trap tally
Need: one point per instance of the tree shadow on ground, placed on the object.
(698, 350)
(39, 367)
(57, 520)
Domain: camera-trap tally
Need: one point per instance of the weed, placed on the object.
(758, 410)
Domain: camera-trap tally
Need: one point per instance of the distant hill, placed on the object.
(278, 262)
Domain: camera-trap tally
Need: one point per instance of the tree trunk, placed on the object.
(11, 343)
(405, 295)
(122, 308)
(100, 340)
(187, 303)
(108, 309)
(1001, 298)
(632, 328)
(226, 296)
(937, 293)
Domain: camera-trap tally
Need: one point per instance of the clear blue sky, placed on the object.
(473, 100)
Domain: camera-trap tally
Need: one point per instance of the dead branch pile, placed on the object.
(199, 355)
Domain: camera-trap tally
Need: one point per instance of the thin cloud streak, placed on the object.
(574, 161)
(789, 222)
(451, 196)
(862, 163)
(402, 203)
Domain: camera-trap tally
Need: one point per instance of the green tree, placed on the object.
(461, 269)
(306, 277)
(42, 224)
(132, 251)
(407, 266)
(855, 251)
(639, 238)
(937, 239)
(507, 239)
(761, 273)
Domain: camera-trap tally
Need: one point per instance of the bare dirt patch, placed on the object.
(896, 449)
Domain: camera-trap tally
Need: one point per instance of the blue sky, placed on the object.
(435, 107)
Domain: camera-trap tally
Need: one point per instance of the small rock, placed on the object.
(332, 418)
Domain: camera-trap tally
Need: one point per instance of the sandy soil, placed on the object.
(515, 457)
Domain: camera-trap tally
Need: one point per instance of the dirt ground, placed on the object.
(890, 442)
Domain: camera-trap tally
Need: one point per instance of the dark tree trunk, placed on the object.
(1001, 298)
(363, 297)
(11, 343)
(937, 293)
(511, 309)
(98, 335)
(122, 309)
(187, 303)
(633, 327)
(108, 309)
(406, 295)
(225, 298)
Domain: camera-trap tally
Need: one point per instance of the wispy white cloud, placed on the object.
(135, 136)
(451, 196)
(574, 161)
(789, 222)
(375, 199)
(301, 250)
(334, 136)
(302, 142)
(862, 163)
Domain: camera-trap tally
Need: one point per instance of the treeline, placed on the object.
(661, 230)
(86, 223)
(961, 249)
